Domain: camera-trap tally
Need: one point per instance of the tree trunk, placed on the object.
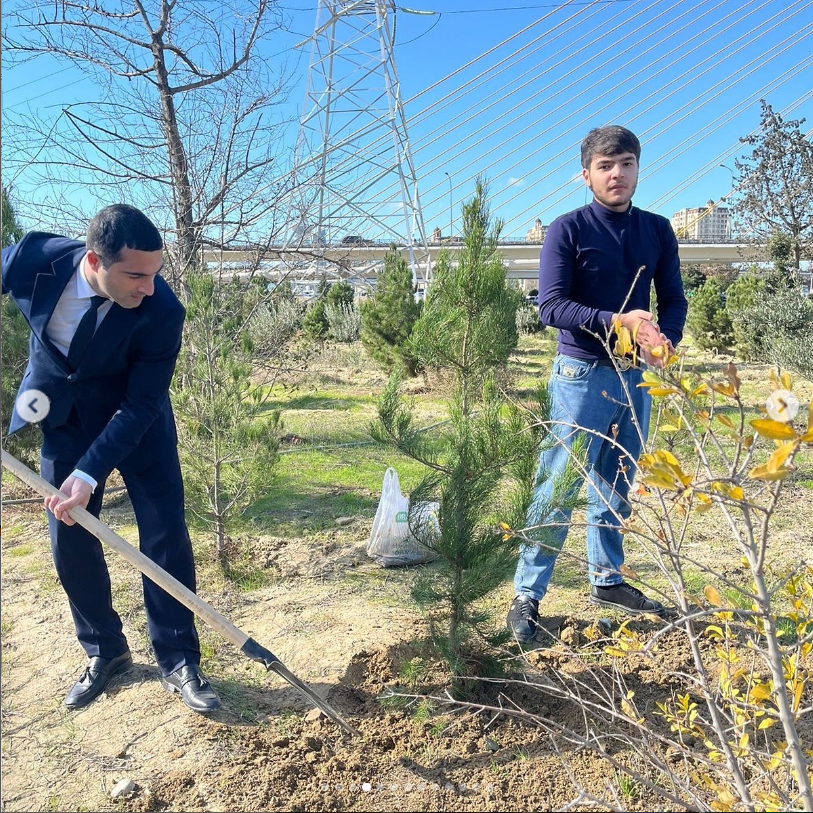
(220, 526)
(187, 243)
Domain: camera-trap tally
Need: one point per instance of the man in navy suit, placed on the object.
(107, 380)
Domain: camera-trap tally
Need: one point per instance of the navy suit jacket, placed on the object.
(123, 418)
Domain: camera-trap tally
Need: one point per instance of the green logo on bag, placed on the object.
(401, 516)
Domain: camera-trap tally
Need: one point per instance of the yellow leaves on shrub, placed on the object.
(778, 458)
(727, 490)
(702, 503)
(657, 387)
(662, 470)
(775, 468)
(740, 747)
(626, 641)
(725, 420)
(773, 430)
(781, 382)
(624, 342)
(629, 709)
(731, 387)
(759, 692)
(724, 389)
(725, 801)
(661, 351)
(778, 756)
(727, 656)
(616, 652)
(797, 687)
(712, 596)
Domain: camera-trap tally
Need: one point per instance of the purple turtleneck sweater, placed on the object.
(588, 262)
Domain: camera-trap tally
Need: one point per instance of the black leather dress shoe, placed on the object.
(193, 688)
(97, 675)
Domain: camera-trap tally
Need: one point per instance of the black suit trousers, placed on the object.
(156, 494)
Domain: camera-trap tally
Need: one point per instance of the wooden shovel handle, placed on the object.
(134, 556)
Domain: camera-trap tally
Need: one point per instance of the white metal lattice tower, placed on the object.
(354, 176)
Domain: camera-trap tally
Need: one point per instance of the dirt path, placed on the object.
(334, 618)
(346, 627)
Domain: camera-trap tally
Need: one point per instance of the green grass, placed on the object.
(45, 574)
(312, 488)
(530, 364)
(235, 698)
(328, 465)
(288, 723)
(694, 581)
(628, 786)
(20, 550)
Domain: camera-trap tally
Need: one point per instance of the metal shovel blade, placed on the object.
(272, 663)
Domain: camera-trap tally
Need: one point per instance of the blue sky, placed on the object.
(686, 77)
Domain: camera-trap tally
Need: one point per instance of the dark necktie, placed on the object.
(84, 333)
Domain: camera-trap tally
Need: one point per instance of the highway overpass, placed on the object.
(361, 260)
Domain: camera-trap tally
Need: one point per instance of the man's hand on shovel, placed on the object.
(79, 492)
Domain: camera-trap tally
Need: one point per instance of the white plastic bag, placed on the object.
(391, 542)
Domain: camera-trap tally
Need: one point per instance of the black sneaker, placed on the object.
(523, 618)
(624, 597)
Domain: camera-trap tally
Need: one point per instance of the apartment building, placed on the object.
(709, 223)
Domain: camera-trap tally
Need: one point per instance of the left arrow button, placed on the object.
(32, 405)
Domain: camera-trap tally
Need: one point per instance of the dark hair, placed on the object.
(121, 226)
(609, 140)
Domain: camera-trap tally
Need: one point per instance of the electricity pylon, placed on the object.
(354, 179)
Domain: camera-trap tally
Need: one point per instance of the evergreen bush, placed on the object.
(741, 296)
(778, 327)
(707, 320)
(387, 318)
(528, 320)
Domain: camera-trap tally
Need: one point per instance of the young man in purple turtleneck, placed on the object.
(596, 268)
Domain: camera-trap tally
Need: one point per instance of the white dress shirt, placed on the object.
(70, 309)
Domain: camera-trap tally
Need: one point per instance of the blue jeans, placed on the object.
(588, 395)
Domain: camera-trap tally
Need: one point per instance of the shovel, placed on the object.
(247, 645)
